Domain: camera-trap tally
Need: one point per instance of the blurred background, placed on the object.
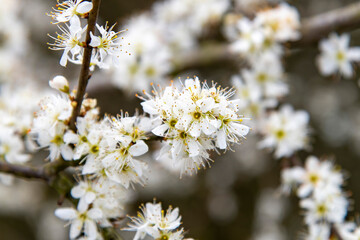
(238, 197)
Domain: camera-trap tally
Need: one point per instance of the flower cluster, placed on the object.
(152, 221)
(265, 32)
(98, 202)
(259, 42)
(158, 38)
(13, 43)
(336, 55)
(71, 40)
(319, 185)
(193, 120)
(110, 148)
(51, 123)
(15, 123)
(260, 86)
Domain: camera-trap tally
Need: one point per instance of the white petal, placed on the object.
(78, 191)
(84, 7)
(194, 148)
(70, 137)
(138, 149)
(354, 54)
(75, 228)
(221, 139)
(66, 213)
(64, 58)
(90, 197)
(82, 205)
(95, 41)
(195, 129)
(66, 152)
(90, 229)
(95, 213)
(240, 129)
(149, 107)
(160, 130)
(346, 69)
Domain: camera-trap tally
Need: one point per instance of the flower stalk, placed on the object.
(85, 71)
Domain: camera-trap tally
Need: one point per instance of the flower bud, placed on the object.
(60, 83)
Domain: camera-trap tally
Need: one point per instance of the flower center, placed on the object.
(313, 178)
(57, 140)
(133, 69)
(197, 115)
(84, 139)
(262, 77)
(150, 71)
(94, 149)
(183, 135)
(172, 122)
(340, 56)
(280, 134)
(321, 209)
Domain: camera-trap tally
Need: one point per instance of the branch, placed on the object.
(340, 20)
(46, 172)
(85, 71)
(23, 171)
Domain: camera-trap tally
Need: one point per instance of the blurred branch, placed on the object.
(85, 71)
(23, 171)
(342, 19)
(312, 30)
(46, 172)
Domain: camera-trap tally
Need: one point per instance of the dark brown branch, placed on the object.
(85, 71)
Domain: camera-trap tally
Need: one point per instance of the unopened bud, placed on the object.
(60, 83)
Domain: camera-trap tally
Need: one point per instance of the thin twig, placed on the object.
(85, 71)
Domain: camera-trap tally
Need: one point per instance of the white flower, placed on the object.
(121, 167)
(12, 147)
(60, 83)
(321, 177)
(54, 139)
(107, 44)
(337, 56)
(69, 41)
(281, 23)
(318, 232)
(250, 39)
(81, 219)
(87, 140)
(85, 192)
(152, 221)
(331, 208)
(286, 131)
(110, 198)
(267, 73)
(68, 9)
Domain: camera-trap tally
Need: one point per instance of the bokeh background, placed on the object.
(238, 197)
